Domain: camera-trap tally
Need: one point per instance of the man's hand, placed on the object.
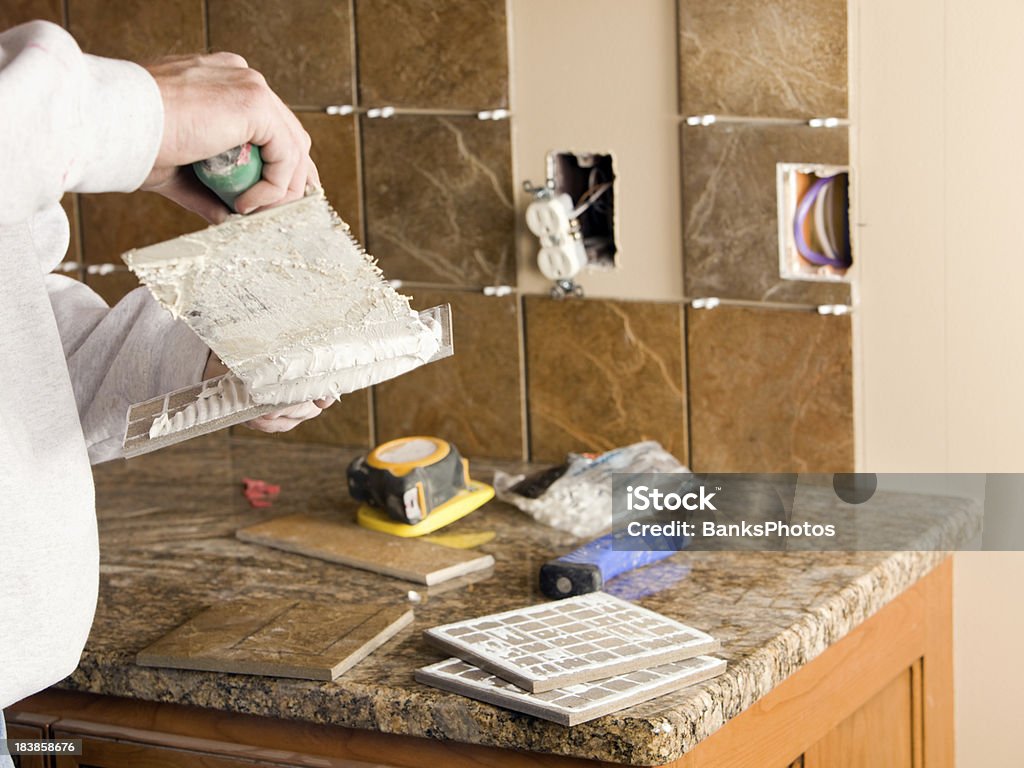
(281, 420)
(213, 103)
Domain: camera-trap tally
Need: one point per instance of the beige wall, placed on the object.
(600, 75)
(937, 111)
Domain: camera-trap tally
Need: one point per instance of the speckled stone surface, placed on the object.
(167, 525)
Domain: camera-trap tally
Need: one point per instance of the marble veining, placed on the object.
(439, 199)
(602, 374)
(167, 525)
(781, 59)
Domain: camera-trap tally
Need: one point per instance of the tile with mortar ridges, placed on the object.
(439, 199)
(433, 54)
(473, 398)
(770, 391)
(138, 30)
(751, 58)
(730, 209)
(302, 47)
(603, 374)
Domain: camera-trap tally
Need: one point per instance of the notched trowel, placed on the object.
(288, 300)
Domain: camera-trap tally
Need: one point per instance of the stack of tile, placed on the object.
(572, 660)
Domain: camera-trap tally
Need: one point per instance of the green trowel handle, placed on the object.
(230, 173)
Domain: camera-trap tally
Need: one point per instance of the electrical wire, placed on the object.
(843, 259)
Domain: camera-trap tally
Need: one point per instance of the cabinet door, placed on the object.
(17, 731)
(101, 753)
(881, 733)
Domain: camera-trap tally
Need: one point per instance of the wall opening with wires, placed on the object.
(588, 178)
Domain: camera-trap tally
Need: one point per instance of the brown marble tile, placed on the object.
(730, 213)
(113, 287)
(781, 59)
(114, 223)
(336, 156)
(602, 374)
(278, 638)
(302, 47)
(474, 398)
(439, 205)
(345, 423)
(15, 12)
(139, 30)
(770, 391)
(433, 54)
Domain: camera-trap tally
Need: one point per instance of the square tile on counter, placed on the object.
(336, 155)
(302, 47)
(474, 398)
(770, 391)
(573, 704)
(439, 199)
(15, 12)
(138, 30)
(602, 374)
(278, 638)
(114, 223)
(730, 209)
(752, 58)
(433, 54)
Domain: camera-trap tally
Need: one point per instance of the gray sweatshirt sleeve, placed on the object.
(74, 122)
(70, 121)
(119, 356)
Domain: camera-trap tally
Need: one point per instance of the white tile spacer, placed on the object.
(709, 302)
(834, 309)
(497, 290)
(382, 112)
(824, 122)
(340, 109)
(493, 114)
(701, 120)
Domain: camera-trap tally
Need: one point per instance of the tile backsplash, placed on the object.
(430, 191)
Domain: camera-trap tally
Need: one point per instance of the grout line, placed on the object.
(206, 25)
(687, 432)
(354, 44)
(357, 129)
(679, 55)
(703, 121)
(524, 407)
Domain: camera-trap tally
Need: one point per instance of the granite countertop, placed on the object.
(167, 524)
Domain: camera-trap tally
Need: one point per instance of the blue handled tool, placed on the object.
(588, 568)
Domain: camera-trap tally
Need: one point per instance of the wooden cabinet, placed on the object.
(106, 753)
(882, 697)
(884, 732)
(29, 726)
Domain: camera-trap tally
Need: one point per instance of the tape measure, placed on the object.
(414, 485)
